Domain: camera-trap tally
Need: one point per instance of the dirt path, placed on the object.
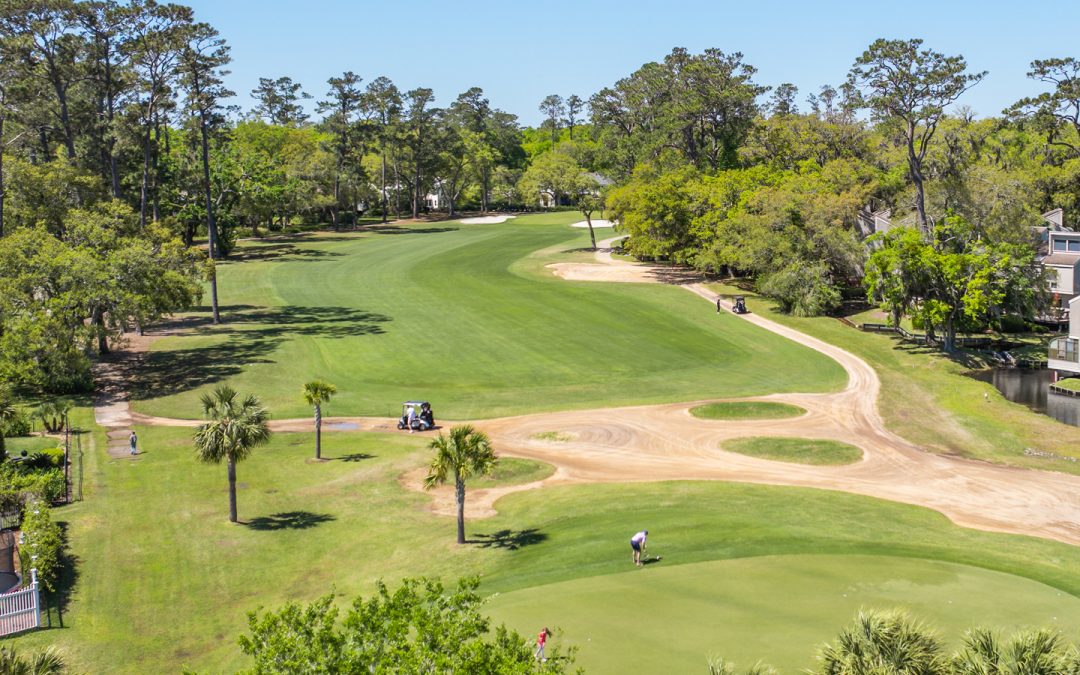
(665, 442)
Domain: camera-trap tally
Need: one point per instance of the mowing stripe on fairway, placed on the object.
(467, 317)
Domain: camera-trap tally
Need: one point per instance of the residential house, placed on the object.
(1059, 254)
(1064, 352)
(547, 197)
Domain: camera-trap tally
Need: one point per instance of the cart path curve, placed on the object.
(665, 442)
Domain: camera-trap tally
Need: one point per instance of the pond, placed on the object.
(1031, 388)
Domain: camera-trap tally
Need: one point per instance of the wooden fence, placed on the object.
(975, 342)
(21, 610)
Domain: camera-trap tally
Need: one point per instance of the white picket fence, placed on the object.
(21, 610)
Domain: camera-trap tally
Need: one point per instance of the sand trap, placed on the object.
(595, 223)
(486, 220)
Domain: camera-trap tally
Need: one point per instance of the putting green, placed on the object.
(465, 316)
(798, 450)
(777, 609)
(746, 410)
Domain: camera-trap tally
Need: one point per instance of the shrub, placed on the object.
(48, 485)
(51, 458)
(18, 425)
(41, 544)
(802, 289)
(1012, 323)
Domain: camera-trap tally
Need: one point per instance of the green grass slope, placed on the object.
(464, 316)
(162, 581)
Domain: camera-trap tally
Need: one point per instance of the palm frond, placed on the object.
(317, 392)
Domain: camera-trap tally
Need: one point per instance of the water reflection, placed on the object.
(1032, 388)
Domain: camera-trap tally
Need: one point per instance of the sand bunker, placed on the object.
(597, 222)
(486, 220)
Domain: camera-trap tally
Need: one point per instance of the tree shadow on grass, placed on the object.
(280, 252)
(354, 457)
(329, 321)
(55, 603)
(252, 333)
(972, 360)
(396, 229)
(510, 540)
(289, 520)
(165, 373)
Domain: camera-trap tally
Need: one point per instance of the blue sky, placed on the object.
(519, 52)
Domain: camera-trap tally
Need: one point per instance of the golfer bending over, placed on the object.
(637, 543)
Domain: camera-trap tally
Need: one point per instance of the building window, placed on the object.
(1074, 246)
(1059, 245)
(1065, 349)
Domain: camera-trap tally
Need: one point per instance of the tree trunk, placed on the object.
(156, 172)
(1, 175)
(915, 171)
(211, 224)
(416, 191)
(65, 117)
(318, 431)
(214, 310)
(950, 334)
(110, 143)
(144, 193)
(459, 490)
(102, 334)
(592, 235)
(385, 201)
(232, 491)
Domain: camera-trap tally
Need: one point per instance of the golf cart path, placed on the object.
(665, 442)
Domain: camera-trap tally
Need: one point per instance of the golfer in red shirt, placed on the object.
(541, 640)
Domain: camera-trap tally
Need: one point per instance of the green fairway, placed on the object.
(746, 410)
(798, 450)
(776, 609)
(467, 317)
(161, 580)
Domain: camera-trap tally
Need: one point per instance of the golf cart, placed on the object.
(416, 416)
(739, 306)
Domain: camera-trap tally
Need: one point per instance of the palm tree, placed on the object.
(316, 393)
(1038, 651)
(883, 642)
(236, 426)
(45, 662)
(463, 454)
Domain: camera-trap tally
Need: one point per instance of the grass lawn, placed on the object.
(1070, 383)
(467, 317)
(798, 450)
(748, 410)
(162, 581)
(677, 617)
(30, 444)
(929, 398)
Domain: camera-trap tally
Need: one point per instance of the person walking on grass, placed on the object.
(637, 545)
(541, 641)
(718, 305)
(134, 442)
